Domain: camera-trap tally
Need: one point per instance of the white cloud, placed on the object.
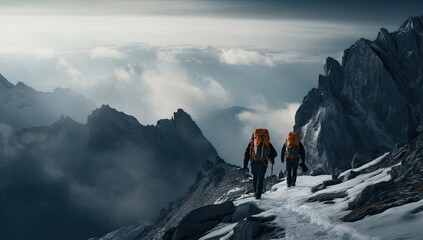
(105, 52)
(38, 52)
(125, 73)
(296, 57)
(238, 56)
(279, 122)
(76, 77)
(71, 71)
(168, 87)
(167, 56)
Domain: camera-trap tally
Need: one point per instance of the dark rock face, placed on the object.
(196, 223)
(245, 210)
(318, 171)
(373, 100)
(326, 184)
(201, 220)
(257, 228)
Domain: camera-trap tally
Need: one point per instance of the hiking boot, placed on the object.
(289, 185)
(258, 197)
(293, 184)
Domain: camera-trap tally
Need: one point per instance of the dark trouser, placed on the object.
(291, 167)
(258, 170)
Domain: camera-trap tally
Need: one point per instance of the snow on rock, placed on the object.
(300, 214)
(372, 163)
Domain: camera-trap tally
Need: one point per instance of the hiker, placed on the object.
(259, 151)
(293, 152)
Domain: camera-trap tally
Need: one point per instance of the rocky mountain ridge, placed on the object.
(371, 101)
(92, 176)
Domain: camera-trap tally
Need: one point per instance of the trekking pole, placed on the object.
(245, 181)
(271, 177)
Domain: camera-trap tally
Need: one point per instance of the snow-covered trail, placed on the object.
(317, 220)
(300, 219)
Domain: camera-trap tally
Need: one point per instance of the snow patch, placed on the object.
(367, 165)
(222, 229)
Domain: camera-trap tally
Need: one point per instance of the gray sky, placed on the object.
(149, 58)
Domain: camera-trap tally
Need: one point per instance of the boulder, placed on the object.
(245, 210)
(200, 220)
(168, 234)
(256, 228)
(352, 174)
(359, 159)
(318, 171)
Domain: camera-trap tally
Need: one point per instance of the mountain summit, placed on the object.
(367, 104)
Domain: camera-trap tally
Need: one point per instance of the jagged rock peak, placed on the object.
(65, 119)
(23, 86)
(374, 95)
(62, 90)
(415, 23)
(4, 83)
(107, 113)
(180, 114)
(330, 64)
(180, 117)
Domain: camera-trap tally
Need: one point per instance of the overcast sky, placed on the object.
(149, 58)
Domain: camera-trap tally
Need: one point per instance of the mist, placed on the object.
(75, 181)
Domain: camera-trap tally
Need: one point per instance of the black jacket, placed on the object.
(302, 152)
(247, 156)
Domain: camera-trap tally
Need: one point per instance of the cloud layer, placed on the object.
(237, 56)
(105, 52)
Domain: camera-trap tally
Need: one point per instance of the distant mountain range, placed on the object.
(21, 106)
(84, 179)
(367, 104)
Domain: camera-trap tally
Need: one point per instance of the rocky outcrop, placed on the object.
(257, 228)
(248, 227)
(403, 187)
(369, 103)
(199, 221)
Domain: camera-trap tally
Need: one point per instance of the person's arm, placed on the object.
(302, 153)
(247, 155)
(283, 153)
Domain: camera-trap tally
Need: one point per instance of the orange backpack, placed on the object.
(292, 145)
(260, 145)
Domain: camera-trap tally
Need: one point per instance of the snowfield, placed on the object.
(317, 220)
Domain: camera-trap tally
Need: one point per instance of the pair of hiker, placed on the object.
(260, 152)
